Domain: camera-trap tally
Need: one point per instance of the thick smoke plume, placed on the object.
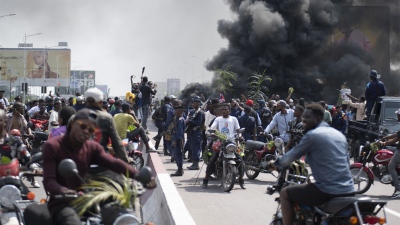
(294, 40)
(192, 90)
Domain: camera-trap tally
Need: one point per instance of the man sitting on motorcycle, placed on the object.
(227, 125)
(394, 161)
(75, 145)
(326, 153)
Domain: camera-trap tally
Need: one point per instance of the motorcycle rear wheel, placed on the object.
(138, 162)
(363, 183)
(229, 177)
(250, 160)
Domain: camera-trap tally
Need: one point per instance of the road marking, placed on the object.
(392, 212)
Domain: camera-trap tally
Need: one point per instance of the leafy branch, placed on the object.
(224, 79)
(256, 88)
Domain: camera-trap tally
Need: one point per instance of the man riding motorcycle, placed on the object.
(326, 153)
(227, 125)
(394, 161)
(75, 144)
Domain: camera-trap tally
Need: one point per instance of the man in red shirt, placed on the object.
(75, 145)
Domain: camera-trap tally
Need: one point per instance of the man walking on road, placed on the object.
(146, 91)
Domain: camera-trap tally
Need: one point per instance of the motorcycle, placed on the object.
(374, 162)
(339, 210)
(108, 212)
(136, 155)
(229, 160)
(255, 154)
(12, 190)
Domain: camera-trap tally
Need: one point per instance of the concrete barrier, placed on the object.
(163, 205)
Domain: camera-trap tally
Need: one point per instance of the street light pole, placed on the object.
(7, 15)
(26, 37)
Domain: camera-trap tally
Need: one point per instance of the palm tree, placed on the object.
(224, 78)
(256, 89)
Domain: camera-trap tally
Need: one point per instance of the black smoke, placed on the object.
(195, 89)
(291, 40)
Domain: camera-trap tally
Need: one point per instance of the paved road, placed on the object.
(250, 206)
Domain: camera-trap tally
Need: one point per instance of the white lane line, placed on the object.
(392, 212)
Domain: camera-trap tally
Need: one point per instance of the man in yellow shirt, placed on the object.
(124, 120)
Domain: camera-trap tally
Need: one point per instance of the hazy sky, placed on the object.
(117, 38)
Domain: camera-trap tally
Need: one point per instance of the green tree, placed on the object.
(224, 78)
(256, 89)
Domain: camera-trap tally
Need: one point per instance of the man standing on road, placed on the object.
(194, 124)
(374, 89)
(327, 114)
(146, 91)
(281, 121)
(178, 138)
(296, 128)
(105, 122)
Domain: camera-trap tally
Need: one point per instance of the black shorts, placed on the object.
(310, 195)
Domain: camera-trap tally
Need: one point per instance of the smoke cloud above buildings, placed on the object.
(313, 46)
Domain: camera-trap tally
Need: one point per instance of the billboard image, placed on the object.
(173, 86)
(81, 80)
(44, 67)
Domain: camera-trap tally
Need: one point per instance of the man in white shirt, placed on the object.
(35, 109)
(227, 125)
(53, 121)
(281, 121)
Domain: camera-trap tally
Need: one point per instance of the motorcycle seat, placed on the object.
(254, 145)
(336, 204)
(41, 135)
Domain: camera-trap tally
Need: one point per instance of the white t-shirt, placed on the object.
(208, 118)
(227, 126)
(53, 118)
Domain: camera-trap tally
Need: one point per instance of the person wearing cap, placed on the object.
(248, 122)
(374, 90)
(79, 103)
(194, 124)
(105, 122)
(146, 91)
(253, 113)
(178, 139)
(281, 121)
(76, 145)
(117, 108)
(4, 99)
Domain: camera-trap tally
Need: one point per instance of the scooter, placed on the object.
(374, 162)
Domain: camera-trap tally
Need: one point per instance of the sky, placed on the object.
(171, 38)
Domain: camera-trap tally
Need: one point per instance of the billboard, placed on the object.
(173, 86)
(81, 80)
(44, 67)
(104, 89)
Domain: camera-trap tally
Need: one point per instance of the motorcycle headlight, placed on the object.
(8, 195)
(231, 148)
(126, 219)
(278, 142)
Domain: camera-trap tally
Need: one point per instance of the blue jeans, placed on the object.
(195, 144)
(394, 162)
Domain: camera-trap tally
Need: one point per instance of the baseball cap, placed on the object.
(172, 97)
(196, 99)
(79, 98)
(281, 102)
(249, 102)
(94, 93)
(397, 112)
